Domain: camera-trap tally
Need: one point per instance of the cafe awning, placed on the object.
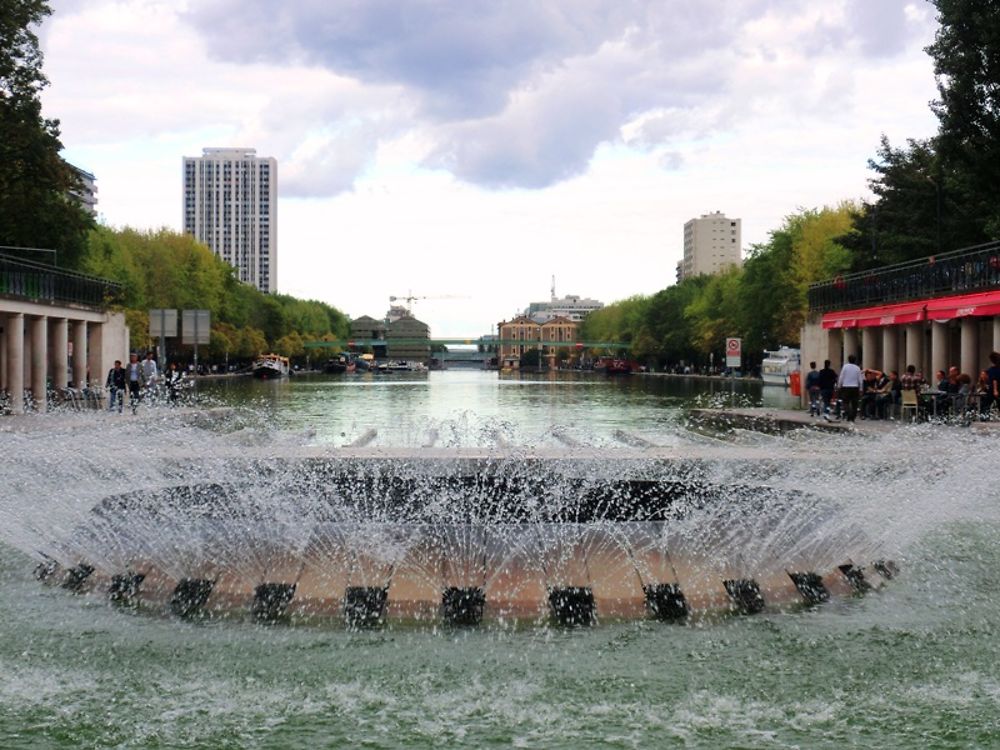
(978, 305)
(981, 304)
(883, 315)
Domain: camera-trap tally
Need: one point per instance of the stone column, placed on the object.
(996, 333)
(970, 347)
(79, 353)
(939, 349)
(869, 346)
(60, 359)
(915, 346)
(39, 361)
(890, 348)
(15, 361)
(3, 352)
(834, 348)
(95, 352)
(850, 343)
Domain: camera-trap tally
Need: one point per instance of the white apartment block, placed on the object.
(231, 205)
(711, 243)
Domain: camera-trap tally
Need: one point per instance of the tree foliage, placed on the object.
(164, 269)
(763, 302)
(36, 205)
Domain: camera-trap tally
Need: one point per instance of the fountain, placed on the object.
(364, 536)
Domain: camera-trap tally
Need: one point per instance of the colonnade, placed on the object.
(928, 345)
(39, 344)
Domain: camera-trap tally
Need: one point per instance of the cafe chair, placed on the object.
(909, 403)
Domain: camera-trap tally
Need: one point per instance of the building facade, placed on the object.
(934, 313)
(523, 334)
(86, 193)
(712, 243)
(404, 339)
(231, 205)
(571, 306)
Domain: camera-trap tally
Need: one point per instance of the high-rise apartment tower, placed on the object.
(231, 205)
(710, 244)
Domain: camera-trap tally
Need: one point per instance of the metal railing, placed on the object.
(38, 282)
(971, 269)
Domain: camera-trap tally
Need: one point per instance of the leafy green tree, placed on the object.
(36, 205)
(966, 54)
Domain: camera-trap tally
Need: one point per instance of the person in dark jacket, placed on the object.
(116, 385)
(827, 384)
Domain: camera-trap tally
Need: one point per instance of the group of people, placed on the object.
(874, 393)
(139, 379)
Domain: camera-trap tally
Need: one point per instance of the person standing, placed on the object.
(813, 389)
(827, 384)
(172, 378)
(149, 373)
(992, 395)
(849, 387)
(134, 378)
(116, 385)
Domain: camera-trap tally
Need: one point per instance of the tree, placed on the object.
(966, 54)
(36, 204)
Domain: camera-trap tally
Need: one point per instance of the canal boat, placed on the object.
(270, 367)
(778, 365)
(340, 364)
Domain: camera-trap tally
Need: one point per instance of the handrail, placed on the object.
(38, 282)
(969, 269)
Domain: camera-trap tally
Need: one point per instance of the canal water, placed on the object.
(912, 665)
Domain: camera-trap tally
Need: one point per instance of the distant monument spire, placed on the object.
(553, 287)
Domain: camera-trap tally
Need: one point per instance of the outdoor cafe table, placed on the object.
(931, 394)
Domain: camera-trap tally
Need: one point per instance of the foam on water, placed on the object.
(906, 667)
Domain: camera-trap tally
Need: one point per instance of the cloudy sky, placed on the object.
(473, 148)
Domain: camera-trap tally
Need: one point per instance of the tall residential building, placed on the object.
(231, 205)
(86, 191)
(711, 243)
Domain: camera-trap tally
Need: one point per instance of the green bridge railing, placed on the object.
(478, 342)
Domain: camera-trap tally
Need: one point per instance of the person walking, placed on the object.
(813, 389)
(116, 385)
(849, 387)
(134, 377)
(827, 384)
(992, 395)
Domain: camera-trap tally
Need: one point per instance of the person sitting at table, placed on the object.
(941, 400)
(911, 380)
(960, 398)
(869, 393)
(889, 395)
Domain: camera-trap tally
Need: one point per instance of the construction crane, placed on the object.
(411, 298)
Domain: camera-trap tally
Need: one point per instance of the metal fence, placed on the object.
(40, 283)
(972, 269)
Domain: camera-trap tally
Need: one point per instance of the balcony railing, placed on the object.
(37, 282)
(972, 269)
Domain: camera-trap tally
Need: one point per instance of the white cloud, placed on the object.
(421, 143)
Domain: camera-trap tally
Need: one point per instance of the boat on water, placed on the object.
(270, 367)
(778, 365)
(340, 364)
(364, 362)
(614, 366)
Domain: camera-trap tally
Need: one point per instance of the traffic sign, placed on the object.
(734, 352)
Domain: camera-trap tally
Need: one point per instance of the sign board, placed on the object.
(162, 323)
(196, 326)
(734, 353)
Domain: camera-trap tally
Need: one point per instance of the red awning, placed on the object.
(884, 315)
(981, 304)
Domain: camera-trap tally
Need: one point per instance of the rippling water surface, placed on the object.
(913, 665)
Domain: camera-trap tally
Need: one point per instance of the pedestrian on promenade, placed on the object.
(813, 389)
(116, 385)
(827, 384)
(172, 378)
(149, 373)
(134, 377)
(849, 387)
